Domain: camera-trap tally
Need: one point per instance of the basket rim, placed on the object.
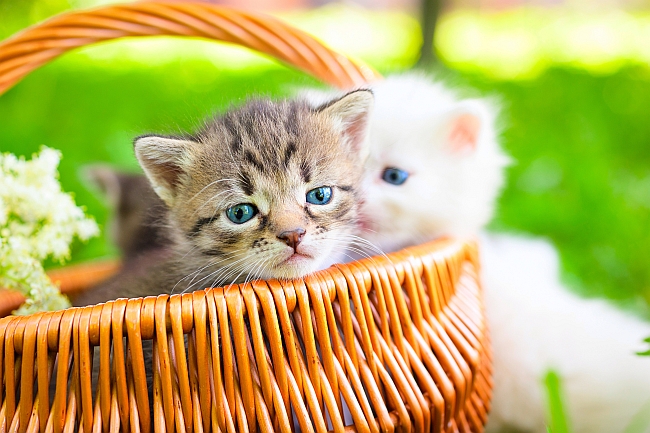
(448, 251)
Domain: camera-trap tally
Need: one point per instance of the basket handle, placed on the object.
(37, 45)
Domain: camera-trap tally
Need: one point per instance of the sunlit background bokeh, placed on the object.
(573, 78)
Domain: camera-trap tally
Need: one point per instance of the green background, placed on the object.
(582, 177)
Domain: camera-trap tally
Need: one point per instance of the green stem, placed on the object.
(558, 422)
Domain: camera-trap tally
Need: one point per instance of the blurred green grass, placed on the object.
(582, 176)
(92, 115)
(581, 142)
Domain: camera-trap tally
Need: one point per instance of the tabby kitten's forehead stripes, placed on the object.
(238, 189)
(270, 137)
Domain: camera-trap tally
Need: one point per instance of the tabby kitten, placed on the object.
(137, 223)
(268, 190)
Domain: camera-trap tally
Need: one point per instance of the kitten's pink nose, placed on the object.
(292, 237)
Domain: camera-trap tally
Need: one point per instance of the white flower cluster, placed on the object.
(37, 220)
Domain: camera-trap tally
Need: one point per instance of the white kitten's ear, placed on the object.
(164, 161)
(351, 115)
(463, 127)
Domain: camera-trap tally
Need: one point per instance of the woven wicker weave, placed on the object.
(400, 341)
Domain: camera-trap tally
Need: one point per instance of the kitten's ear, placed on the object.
(464, 126)
(164, 161)
(104, 178)
(351, 115)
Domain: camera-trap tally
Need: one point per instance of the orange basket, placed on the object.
(382, 344)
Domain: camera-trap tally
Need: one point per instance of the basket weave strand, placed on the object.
(396, 343)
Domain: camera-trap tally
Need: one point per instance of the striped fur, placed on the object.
(269, 154)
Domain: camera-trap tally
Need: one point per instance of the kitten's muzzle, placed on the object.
(292, 237)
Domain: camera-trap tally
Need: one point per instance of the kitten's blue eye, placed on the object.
(240, 213)
(394, 176)
(320, 195)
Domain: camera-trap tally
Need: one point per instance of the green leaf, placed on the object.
(647, 352)
(557, 418)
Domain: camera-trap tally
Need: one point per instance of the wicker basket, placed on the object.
(398, 342)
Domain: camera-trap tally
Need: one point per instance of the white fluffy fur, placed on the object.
(536, 324)
(447, 192)
(450, 193)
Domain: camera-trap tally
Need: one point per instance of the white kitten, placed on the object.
(423, 131)
(448, 151)
(436, 169)
(537, 324)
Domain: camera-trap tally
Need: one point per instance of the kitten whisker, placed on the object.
(264, 268)
(361, 252)
(369, 244)
(189, 251)
(209, 185)
(359, 242)
(213, 262)
(220, 273)
(234, 281)
(251, 269)
(218, 205)
(227, 277)
(254, 271)
(224, 273)
(346, 248)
